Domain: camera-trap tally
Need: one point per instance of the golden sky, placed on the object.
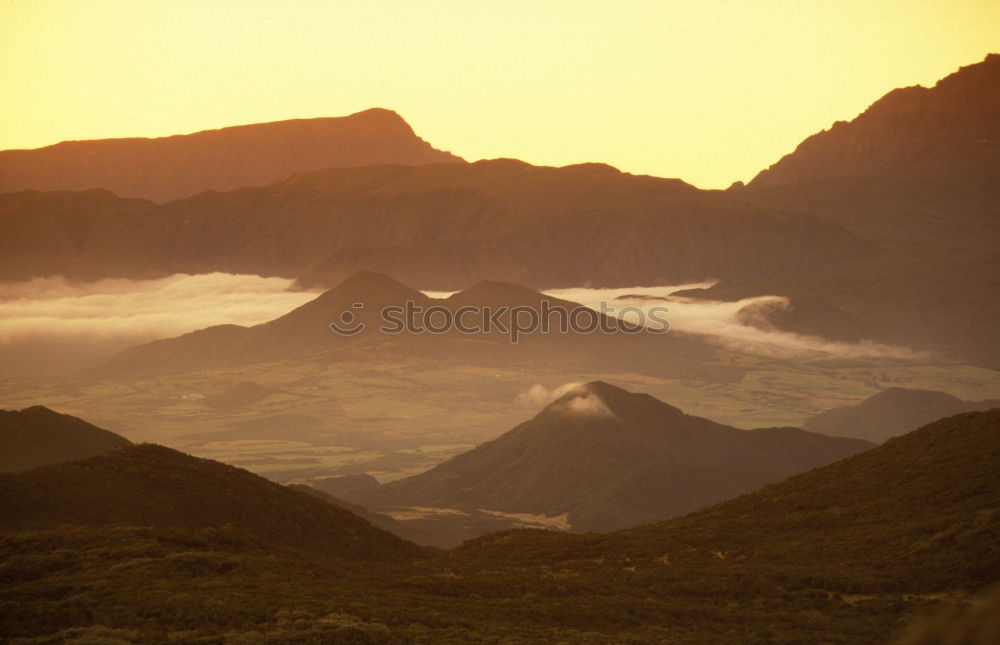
(710, 91)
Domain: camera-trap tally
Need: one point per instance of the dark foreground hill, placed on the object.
(891, 413)
(38, 436)
(845, 554)
(150, 485)
(607, 459)
(919, 513)
(248, 155)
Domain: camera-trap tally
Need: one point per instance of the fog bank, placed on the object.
(52, 325)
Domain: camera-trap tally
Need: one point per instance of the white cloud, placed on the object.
(718, 323)
(538, 396)
(72, 325)
(589, 404)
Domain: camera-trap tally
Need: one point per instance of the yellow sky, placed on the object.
(710, 91)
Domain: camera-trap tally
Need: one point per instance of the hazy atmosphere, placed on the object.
(648, 87)
(482, 323)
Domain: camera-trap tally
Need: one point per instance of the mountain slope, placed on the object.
(891, 413)
(249, 155)
(486, 311)
(444, 226)
(150, 485)
(950, 132)
(843, 554)
(920, 165)
(609, 459)
(38, 436)
(917, 514)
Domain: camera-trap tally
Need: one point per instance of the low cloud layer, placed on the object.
(718, 323)
(52, 325)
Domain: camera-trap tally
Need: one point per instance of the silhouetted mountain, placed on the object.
(598, 342)
(947, 132)
(443, 226)
(610, 459)
(921, 164)
(917, 174)
(879, 221)
(37, 436)
(149, 485)
(917, 514)
(248, 155)
(891, 413)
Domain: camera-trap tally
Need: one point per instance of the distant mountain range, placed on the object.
(306, 332)
(37, 436)
(891, 413)
(888, 222)
(608, 459)
(443, 225)
(248, 155)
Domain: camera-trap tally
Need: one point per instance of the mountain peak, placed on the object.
(600, 397)
(358, 297)
(382, 119)
(168, 168)
(610, 458)
(497, 292)
(946, 132)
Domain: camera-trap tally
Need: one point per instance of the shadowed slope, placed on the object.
(921, 164)
(37, 436)
(917, 514)
(950, 132)
(149, 485)
(610, 459)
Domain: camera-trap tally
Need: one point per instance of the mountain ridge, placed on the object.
(370, 309)
(38, 436)
(910, 131)
(151, 485)
(181, 165)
